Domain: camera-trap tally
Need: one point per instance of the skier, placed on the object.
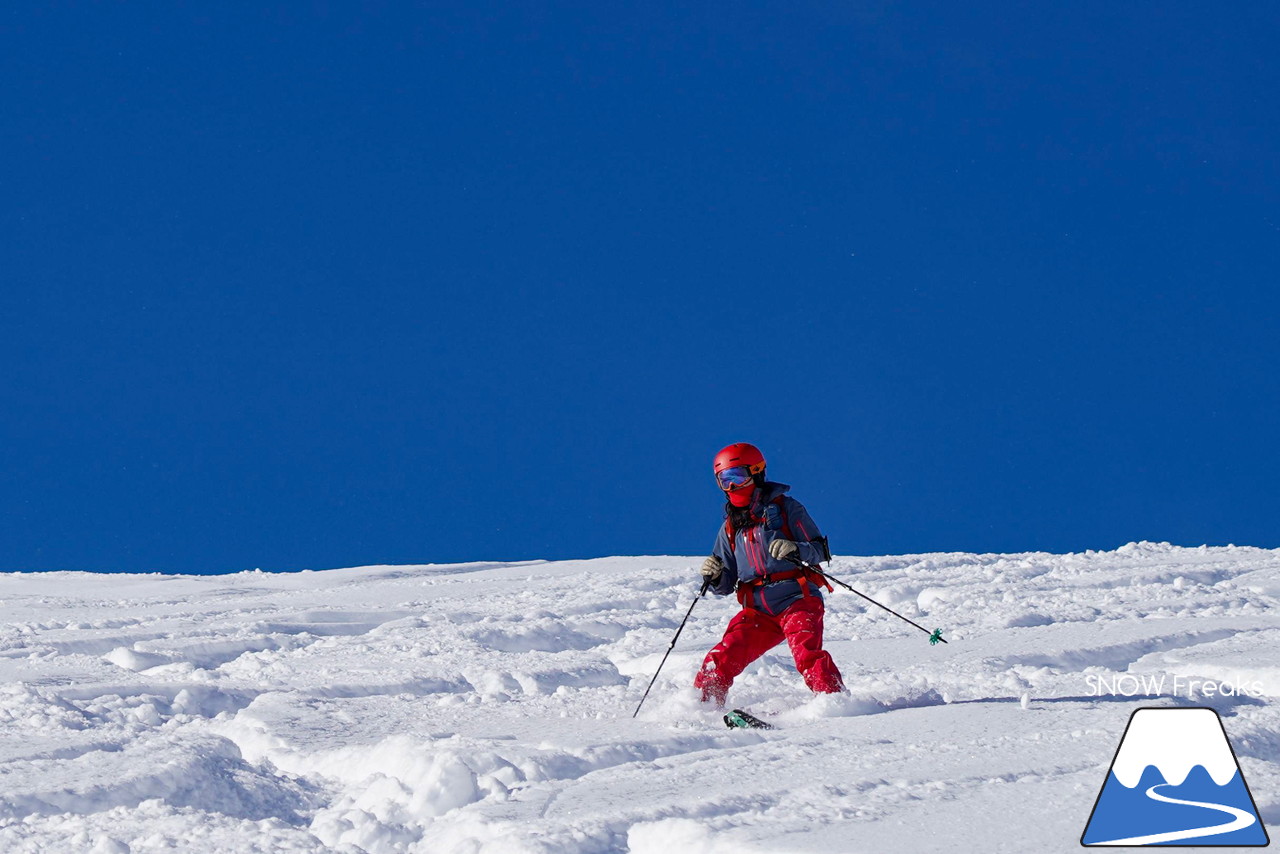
(763, 528)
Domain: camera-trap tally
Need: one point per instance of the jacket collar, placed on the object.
(768, 492)
(765, 494)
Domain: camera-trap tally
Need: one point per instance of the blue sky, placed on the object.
(314, 285)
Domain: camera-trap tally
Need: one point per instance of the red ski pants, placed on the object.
(752, 633)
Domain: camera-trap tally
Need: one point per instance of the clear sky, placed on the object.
(320, 284)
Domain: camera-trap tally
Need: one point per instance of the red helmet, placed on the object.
(737, 465)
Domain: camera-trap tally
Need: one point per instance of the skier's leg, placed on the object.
(748, 636)
(802, 625)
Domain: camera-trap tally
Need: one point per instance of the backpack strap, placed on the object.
(780, 502)
(730, 531)
(804, 577)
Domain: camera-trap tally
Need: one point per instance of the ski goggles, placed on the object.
(733, 478)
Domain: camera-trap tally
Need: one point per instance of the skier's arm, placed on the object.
(723, 585)
(810, 541)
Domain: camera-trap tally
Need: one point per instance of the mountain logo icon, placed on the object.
(1175, 781)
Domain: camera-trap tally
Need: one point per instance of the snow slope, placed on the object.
(486, 708)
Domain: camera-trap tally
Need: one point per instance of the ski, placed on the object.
(738, 719)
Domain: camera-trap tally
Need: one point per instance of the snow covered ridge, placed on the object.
(486, 708)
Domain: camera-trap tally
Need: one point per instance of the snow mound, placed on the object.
(487, 708)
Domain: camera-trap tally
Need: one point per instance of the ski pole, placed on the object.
(934, 636)
(703, 592)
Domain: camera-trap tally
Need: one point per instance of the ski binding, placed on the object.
(738, 719)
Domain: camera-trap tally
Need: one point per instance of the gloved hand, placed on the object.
(711, 568)
(783, 549)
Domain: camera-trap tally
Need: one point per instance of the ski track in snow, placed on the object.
(486, 708)
(1239, 821)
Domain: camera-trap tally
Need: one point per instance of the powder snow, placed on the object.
(487, 707)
